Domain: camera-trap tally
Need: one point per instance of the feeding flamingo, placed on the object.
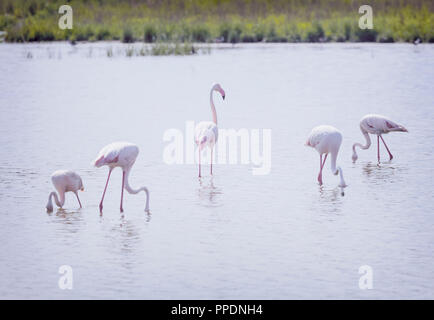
(327, 139)
(206, 132)
(376, 124)
(123, 155)
(64, 181)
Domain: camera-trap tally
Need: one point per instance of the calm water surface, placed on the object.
(235, 235)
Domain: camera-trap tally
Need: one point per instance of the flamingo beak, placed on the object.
(223, 93)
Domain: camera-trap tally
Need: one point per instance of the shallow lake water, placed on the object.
(234, 235)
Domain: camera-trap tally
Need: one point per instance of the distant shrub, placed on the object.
(281, 39)
(225, 32)
(42, 35)
(83, 34)
(150, 33)
(33, 7)
(294, 37)
(315, 33)
(347, 31)
(235, 35)
(386, 39)
(366, 35)
(10, 7)
(277, 39)
(248, 38)
(200, 34)
(6, 20)
(157, 49)
(103, 34)
(127, 36)
(259, 31)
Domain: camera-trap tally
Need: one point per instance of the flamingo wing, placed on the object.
(106, 156)
(206, 133)
(378, 124)
(389, 125)
(317, 135)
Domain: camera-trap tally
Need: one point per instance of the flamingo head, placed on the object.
(49, 206)
(218, 88)
(354, 157)
(80, 185)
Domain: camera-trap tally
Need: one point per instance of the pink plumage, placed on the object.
(378, 125)
(327, 140)
(123, 155)
(206, 132)
(64, 181)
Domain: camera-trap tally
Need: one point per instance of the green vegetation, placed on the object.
(180, 21)
(161, 49)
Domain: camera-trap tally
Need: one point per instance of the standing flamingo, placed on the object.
(327, 139)
(206, 132)
(376, 124)
(120, 154)
(64, 181)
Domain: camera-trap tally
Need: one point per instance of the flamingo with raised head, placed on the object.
(325, 140)
(376, 124)
(64, 181)
(123, 155)
(206, 132)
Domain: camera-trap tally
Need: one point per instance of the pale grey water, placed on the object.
(278, 236)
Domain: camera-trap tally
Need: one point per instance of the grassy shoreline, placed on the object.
(183, 21)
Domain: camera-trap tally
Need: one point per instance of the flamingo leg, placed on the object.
(378, 148)
(211, 160)
(122, 191)
(325, 158)
(320, 170)
(321, 166)
(76, 194)
(390, 154)
(106, 184)
(199, 164)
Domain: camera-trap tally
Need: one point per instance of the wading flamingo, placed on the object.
(206, 132)
(64, 181)
(120, 154)
(325, 140)
(376, 124)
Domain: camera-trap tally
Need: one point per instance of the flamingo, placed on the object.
(376, 124)
(206, 132)
(123, 155)
(64, 181)
(327, 139)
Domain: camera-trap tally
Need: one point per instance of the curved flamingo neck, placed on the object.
(336, 169)
(214, 113)
(56, 199)
(364, 147)
(341, 177)
(135, 191)
(333, 159)
(368, 141)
